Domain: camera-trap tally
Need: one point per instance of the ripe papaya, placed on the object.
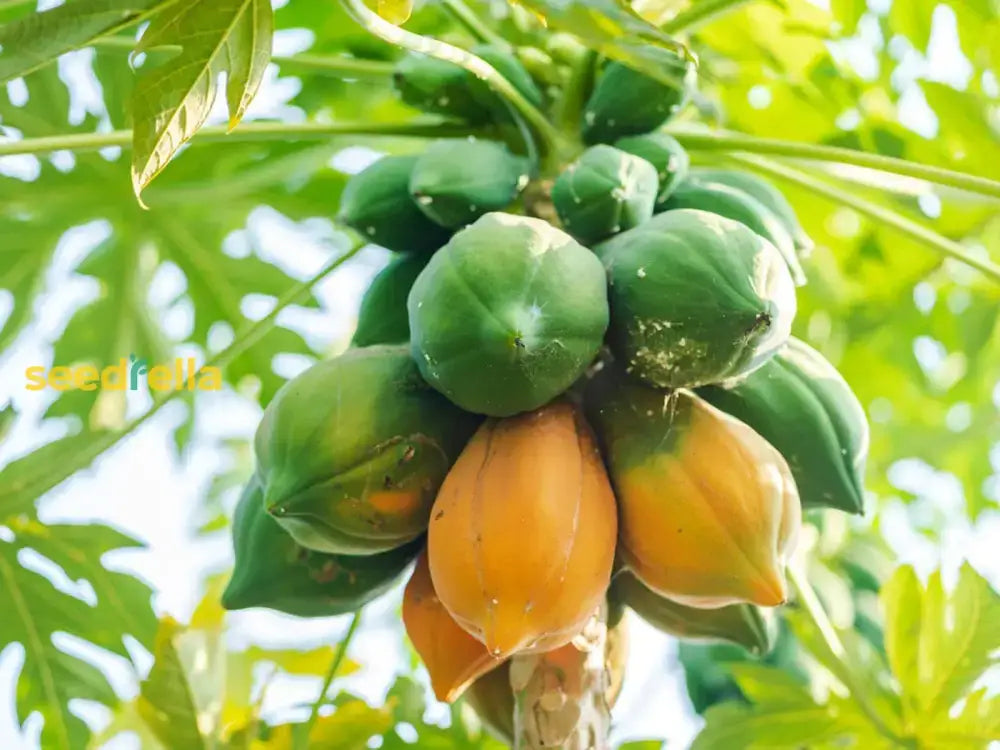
(708, 510)
(376, 202)
(742, 624)
(274, 571)
(695, 298)
(800, 404)
(382, 318)
(455, 181)
(511, 589)
(454, 659)
(604, 192)
(492, 699)
(739, 206)
(507, 315)
(627, 102)
(766, 193)
(351, 452)
(666, 155)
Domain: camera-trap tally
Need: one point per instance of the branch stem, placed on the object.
(699, 14)
(874, 211)
(338, 660)
(474, 24)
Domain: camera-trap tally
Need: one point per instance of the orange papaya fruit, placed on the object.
(708, 509)
(454, 659)
(522, 532)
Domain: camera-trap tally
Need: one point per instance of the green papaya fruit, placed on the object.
(739, 206)
(666, 155)
(377, 203)
(627, 102)
(507, 315)
(274, 571)
(764, 192)
(695, 298)
(351, 452)
(382, 318)
(604, 192)
(799, 403)
(742, 624)
(454, 182)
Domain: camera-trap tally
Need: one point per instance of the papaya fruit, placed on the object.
(382, 318)
(274, 571)
(766, 193)
(351, 452)
(695, 298)
(708, 511)
(627, 102)
(376, 202)
(800, 404)
(604, 192)
(507, 315)
(455, 181)
(454, 659)
(666, 155)
(492, 699)
(510, 589)
(742, 624)
(739, 206)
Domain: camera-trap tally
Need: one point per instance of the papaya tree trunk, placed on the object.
(560, 696)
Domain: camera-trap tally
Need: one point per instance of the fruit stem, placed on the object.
(302, 740)
(569, 109)
(879, 213)
(474, 24)
(393, 34)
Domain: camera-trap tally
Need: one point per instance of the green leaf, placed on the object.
(848, 13)
(913, 19)
(19, 477)
(35, 40)
(172, 101)
(976, 725)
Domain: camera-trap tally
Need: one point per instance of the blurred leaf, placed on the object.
(848, 13)
(19, 477)
(912, 19)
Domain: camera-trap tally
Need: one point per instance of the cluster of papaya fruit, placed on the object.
(554, 420)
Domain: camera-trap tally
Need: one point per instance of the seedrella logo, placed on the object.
(183, 374)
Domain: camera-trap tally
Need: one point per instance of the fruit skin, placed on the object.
(800, 404)
(377, 203)
(742, 624)
(507, 315)
(708, 512)
(604, 192)
(626, 102)
(274, 571)
(351, 452)
(492, 699)
(382, 318)
(666, 155)
(511, 589)
(454, 659)
(454, 182)
(739, 206)
(766, 193)
(695, 298)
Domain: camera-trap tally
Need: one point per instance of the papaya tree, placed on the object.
(674, 312)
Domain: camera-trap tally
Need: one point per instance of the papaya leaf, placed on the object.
(848, 13)
(976, 725)
(19, 476)
(171, 102)
(913, 20)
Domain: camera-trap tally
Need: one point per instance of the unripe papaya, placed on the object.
(507, 315)
(522, 534)
(604, 192)
(492, 699)
(274, 571)
(766, 193)
(695, 298)
(800, 404)
(453, 657)
(737, 205)
(708, 510)
(351, 452)
(627, 102)
(666, 155)
(382, 318)
(377, 203)
(742, 624)
(455, 181)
